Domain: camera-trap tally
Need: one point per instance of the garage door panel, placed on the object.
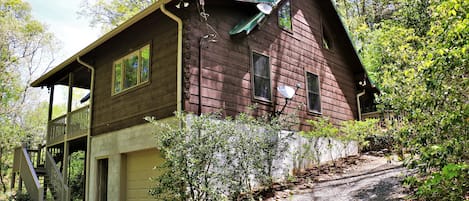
(140, 168)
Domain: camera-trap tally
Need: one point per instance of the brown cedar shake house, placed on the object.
(200, 57)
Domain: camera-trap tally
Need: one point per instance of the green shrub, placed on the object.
(210, 158)
(451, 183)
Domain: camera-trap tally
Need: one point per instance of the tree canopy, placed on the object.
(25, 50)
(109, 14)
(417, 51)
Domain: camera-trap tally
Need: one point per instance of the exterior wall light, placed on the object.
(287, 92)
(265, 8)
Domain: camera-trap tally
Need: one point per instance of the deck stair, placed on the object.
(30, 172)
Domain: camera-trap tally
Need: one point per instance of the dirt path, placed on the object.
(371, 178)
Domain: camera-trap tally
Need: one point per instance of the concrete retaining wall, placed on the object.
(304, 153)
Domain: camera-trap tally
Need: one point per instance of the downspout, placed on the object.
(358, 104)
(199, 108)
(88, 141)
(199, 67)
(179, 56)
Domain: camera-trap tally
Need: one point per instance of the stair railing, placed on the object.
(58, 187)
(23, 165)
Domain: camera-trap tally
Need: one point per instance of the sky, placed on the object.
(61, 18)
(72, 32)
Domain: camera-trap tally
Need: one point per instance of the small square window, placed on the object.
(131, 70)
(313, 88)
(284, 16)
(261, 77)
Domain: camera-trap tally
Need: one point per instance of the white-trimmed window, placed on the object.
(131, 70)
(261, 77)
(314, 96)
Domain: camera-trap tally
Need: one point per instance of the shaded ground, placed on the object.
(355, 178)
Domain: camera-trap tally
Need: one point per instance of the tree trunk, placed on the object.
(2, 166)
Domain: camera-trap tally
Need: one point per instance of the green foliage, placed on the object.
(110, 14)
(419, 58)
(321, 127)
(24, 196)
(22, 40)
(351, 130)
(359, 131)
(76, 169)
(348, 131)
(450, 183)
(213, 159)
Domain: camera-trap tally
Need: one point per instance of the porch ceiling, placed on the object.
(81, 77)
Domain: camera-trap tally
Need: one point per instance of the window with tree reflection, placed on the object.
(131, 70)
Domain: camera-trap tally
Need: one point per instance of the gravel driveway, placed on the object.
(374, 178)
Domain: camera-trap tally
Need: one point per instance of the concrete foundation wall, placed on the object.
(301, 154)
(114, 146)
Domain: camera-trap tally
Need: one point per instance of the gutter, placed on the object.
(88, 140)
(358, 104)
(179, 55)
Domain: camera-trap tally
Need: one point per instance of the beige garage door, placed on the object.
(139, 171)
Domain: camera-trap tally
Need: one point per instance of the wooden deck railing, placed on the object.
(73, 124)
(57, 128)
(78, 121)
(384, 117)
(22, 164)
(56, 181)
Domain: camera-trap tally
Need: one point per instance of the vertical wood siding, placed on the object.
(158, 97)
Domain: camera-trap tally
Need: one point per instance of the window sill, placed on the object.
(314, 113)
(131, 89)
(262, 101)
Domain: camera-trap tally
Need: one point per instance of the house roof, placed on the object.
(44, 80)
(331, 14)
(328, 8)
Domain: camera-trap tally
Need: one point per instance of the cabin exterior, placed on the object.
(168, 59)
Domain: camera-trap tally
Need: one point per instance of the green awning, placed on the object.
(248, 25)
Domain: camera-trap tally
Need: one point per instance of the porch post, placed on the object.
(49, 116)
(70, 92)
(66, 145)
(65, 163)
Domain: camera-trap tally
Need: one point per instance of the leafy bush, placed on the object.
(451, 183)
(23, 196)
(351, 130)
(360, 131)
(208, 158)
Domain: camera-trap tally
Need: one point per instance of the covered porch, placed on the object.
(68, 128)
(69, 102)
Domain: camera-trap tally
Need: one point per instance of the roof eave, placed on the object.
(350, 43)
(152, 8)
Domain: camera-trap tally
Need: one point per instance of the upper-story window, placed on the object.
(314, 97)
(261, 77)
(284, 16)
(131, 70)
